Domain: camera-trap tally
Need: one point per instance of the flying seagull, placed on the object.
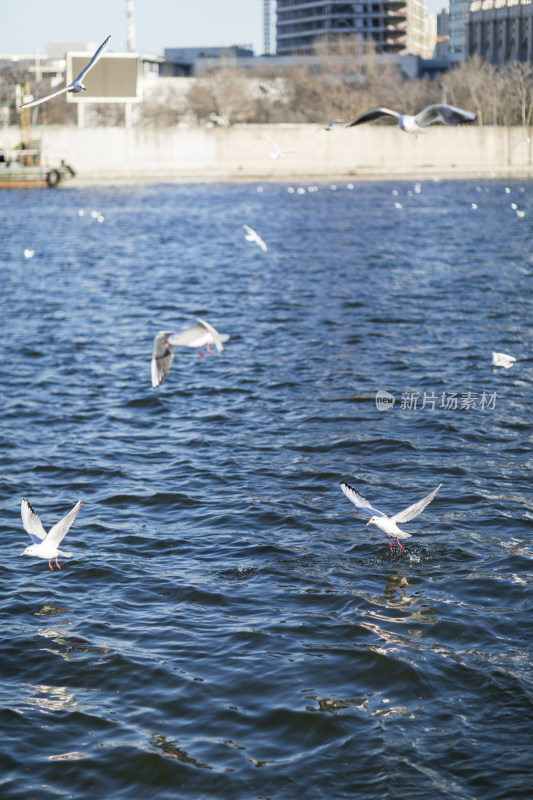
(276, 151)
(252, 236)
(449, 115)
(388, 524)
(76, 85)
(200, 334)
(502, 360)
(45, 545)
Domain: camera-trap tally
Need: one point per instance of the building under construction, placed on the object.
(392, 26)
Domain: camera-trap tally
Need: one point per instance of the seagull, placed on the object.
(45, 545)
(276, 152)
(29, 253)
(252, 236)
(388, 524)
(76, 85)
(202, 333)
(449, 115)
(502, 360)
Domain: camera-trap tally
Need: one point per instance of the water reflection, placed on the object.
(50, 698)
(374, 704)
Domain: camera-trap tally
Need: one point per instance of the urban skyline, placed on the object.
(159, 24)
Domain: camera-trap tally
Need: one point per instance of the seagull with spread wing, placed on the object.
(76, 85)
(449, 115)
(45, 545)
(276, 151)
(502, 360)
(253, 236)
(200, 334)
(388, 524)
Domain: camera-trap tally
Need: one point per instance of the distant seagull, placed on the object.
(332, 123)
(252, 236)
(45, 545)
(388, 524)
(276, 152)
(29, 253)
(502, 360)
(76, 85)
(200, 334)
(449, 115)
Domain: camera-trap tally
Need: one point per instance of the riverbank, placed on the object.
(244, 152)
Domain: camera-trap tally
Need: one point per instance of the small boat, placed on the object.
(22, 167)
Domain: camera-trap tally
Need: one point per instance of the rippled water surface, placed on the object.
(227, 627)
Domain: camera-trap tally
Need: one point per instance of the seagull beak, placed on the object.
(368, 523)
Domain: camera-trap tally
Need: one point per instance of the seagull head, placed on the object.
(373, 520)
(29, 551)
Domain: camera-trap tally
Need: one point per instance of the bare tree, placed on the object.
(471, 86)
(165, 106)
(519, 92)
(222, 97)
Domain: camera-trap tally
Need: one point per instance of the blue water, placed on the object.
(227, 627)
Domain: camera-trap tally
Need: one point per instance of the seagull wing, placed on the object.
(162, 355)
(93, 60)
(48, 97)
(218, 338)
(358, 499)
(502, 360)
(32, 524)
(450, 115)
(253, 236)
(60, 529)
(414, 510)
(195, 336)
(370, 116)
(274, 145)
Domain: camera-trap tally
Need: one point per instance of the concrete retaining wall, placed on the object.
(243, 152)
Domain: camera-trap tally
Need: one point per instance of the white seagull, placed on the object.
(200, 334)
(502, 360)
(332, 123)
(276, 151)
(45, 545)
(388, 524)
(76, 85)
(449, 115)
(252, 236)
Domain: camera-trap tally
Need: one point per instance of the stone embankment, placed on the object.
(243, 152)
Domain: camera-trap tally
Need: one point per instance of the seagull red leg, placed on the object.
(200, 353)
(399, 545)
(209, 349)
(390, 543)
(50, 564)
(57, 564)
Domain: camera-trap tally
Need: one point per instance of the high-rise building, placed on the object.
(443, 34)
(501, 31)
(393, 26)
(458, 26)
